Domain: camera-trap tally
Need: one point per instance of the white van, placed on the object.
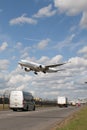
(20, 100)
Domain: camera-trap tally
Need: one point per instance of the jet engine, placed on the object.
(27, 69)
(40, 66)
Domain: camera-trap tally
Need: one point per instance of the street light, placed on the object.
(3, 100)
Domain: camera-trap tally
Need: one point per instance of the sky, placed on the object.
(45, 32)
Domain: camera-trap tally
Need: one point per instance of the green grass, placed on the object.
(77, 122)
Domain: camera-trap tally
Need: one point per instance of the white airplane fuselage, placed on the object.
(32, 66)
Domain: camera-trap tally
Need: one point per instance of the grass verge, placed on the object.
(77, 121)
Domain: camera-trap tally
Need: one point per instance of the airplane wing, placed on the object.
(32, 66)
(55, 65)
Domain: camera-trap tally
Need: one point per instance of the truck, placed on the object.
(62, 101)
(20, 100)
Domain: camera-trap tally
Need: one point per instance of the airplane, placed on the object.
(32, 66)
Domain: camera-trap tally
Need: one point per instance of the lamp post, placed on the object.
(3, 99)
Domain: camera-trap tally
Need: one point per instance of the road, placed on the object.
(41, 119)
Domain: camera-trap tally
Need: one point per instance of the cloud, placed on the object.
(43, 59)
(4, 64)
(83, 22)
(50, 84)
(54, 60)
(25, 52)
(67, 42)
(3, 46)
(19, 79)
(3, 78)
(42, 44)
(78, 62)
(72, 8)
(83, 51)
(22, 20)
(24, 55)
(45, 12)
(18, 45)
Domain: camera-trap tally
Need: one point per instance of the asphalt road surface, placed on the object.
(41, 119)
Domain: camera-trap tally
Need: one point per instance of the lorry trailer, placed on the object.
(62, 101)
